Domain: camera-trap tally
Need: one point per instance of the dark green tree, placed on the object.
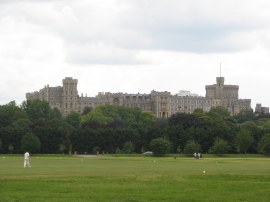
(11, 127)
(30, 143)
(128, 148)
(220, 111)
(117, 116)
(245, 115)
(178, 136)
(10, 113)
(160, 146)
(220, 147)
(185, 120)
(20, 127)
(86, 110)
(191, 147)
(36, 109)
(73, 119)
(264, 144)
(244, 140)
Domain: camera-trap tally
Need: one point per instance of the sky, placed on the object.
(134, 46)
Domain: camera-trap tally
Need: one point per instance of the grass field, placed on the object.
(60, 178)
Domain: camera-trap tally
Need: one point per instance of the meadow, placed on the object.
(106, 178)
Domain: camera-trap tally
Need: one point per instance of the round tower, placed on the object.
(220, 81)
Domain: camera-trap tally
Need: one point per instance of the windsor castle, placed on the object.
(160, 104)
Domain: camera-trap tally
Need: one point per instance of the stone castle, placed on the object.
(160, 104)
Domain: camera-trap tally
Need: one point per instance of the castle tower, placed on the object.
(161, 104)
(228, 94)
(220, 88)
(70, 95)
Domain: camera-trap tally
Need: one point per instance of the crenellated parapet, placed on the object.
(161, 104)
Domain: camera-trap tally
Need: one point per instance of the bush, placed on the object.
(118, 151)
(160, 146)
(30, 143)
(244, 140)
(191, 147)
(1, 144)
(264, 144)
(128, 148)
(220, 147)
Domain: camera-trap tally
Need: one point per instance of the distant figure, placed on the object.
(26, 160)
(195, 155)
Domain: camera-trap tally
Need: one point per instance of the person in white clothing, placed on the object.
(26, 160)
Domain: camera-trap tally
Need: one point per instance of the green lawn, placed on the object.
(60, 178)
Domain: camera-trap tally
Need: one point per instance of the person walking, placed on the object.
(26, 160)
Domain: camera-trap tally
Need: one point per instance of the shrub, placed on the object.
(264, 144)
(160, 146)
(30, 143)
(191, 147)
(220, 147)
(128, 148)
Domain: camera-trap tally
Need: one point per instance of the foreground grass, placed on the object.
(134, 179)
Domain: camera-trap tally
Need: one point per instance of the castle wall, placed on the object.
(161, 104)
(228, 94)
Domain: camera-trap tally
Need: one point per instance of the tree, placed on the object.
(160, 146)
(220, 147)
(245, 115)
(30, 142)
(118, 151)
(185, 120)
(96, 150)
(36, 109)
(128, 148)
(191, 147)
(264, 144)
(179, 150)
(244, 140)
(62, 148)
(86, 110)
(73, 119)
(220, 111)
(10, 113)
(117, 116)
(20, 128)
(10, 148)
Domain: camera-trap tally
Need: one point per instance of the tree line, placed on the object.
(34, 126)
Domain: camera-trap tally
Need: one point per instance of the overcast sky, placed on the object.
(135, 46)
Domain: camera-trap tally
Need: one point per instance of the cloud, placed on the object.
(132, 45)
(195, 26)
(115, 31)
(100, 53)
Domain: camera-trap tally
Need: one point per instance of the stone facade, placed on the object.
(228, 96)
(259, 109)
(161, 104)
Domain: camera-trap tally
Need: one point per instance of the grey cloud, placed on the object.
(100, 53)
(131, 26)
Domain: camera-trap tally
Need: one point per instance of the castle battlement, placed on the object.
(161, 104)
